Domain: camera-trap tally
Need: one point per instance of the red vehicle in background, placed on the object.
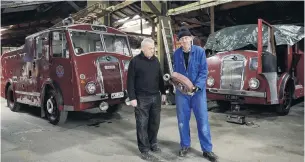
(256, 64)
(68, 68)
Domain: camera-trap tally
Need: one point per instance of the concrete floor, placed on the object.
(26, 137)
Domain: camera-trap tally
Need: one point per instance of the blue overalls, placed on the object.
(197, 73)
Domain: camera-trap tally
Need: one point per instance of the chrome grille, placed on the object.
(232, 72)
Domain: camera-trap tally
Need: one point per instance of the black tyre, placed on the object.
(114, 108)
(11, 100)
(51, 108)
(283, 109)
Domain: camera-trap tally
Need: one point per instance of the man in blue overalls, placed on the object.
(190, 61)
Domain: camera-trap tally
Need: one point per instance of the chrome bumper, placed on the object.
(237, 92)
(98, 97)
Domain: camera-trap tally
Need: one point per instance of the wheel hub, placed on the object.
(50, 106)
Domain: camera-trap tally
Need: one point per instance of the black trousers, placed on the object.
(147, 115)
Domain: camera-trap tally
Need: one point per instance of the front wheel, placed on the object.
(54, 115)
(11, 100)
(283, 109)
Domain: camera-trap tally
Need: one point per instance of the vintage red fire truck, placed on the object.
(68, 68)
(256, 64)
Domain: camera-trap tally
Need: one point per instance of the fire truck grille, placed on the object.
(232, 74)
(109, 72)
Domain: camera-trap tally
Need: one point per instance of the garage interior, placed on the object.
(98, 137)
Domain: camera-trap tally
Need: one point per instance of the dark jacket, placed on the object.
(144, 77)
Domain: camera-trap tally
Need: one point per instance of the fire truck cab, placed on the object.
(68, 68)
(256, 64)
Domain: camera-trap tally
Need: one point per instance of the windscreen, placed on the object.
(86, 42)
(116, 44)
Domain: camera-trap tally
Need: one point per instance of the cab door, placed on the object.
(34, 71)
(61, 66)
(44, 65)
(266, 48)
(267, 61)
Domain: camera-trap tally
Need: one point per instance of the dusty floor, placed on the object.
(27, 137)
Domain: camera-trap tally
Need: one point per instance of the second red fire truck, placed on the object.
(258, 64)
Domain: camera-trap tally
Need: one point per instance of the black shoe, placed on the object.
(146, 156)
(210, 156)
(183, 151)
(156, 149)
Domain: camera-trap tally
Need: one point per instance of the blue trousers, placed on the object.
(198, 103)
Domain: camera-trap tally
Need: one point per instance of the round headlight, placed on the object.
(90, 87)
(253, 83)
(210, 81)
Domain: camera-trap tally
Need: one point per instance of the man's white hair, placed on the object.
(147, 41)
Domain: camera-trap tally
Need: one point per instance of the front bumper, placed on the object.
(237, 92)
(99, 97)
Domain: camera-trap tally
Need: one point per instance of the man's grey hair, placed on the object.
(147, 41)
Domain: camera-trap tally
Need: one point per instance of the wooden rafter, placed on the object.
(196, 6)
(96, 11)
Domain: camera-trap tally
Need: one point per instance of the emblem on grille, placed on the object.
(234, 58)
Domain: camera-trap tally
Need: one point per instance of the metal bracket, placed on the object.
(234, 117)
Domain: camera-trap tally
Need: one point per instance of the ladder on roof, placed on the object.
(168, 40)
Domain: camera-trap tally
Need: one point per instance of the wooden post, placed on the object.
(141, 23)
(160, 44)
(212, 19)
(153, 31)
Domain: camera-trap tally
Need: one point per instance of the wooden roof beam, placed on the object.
(196, 6)
(117, 7)
(143, 14)
(74, 5)
(237, 4)
(153, 8)
(192, 21)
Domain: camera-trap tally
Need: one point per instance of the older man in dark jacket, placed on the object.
(144, 85)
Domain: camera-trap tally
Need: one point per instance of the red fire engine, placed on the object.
(256, 64)
(67, 68)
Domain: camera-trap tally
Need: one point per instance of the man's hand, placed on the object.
(134, 103)
(163, 99)
(194, 90)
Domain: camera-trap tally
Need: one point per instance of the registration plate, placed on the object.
(109, 67)
(117, 95)
(231, 97)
